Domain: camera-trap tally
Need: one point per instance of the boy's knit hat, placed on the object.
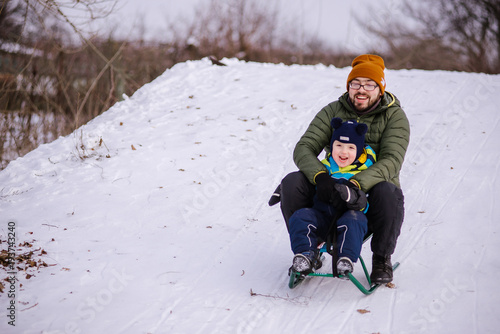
(368, 66)
(349, 132)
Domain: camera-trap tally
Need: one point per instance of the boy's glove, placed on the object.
(353, 196)
(326, 191)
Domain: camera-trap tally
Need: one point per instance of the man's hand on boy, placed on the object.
(326, 191)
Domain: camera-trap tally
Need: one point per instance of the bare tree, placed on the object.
(447, 34)
(232, 28)
(10, 28)
(45, 77)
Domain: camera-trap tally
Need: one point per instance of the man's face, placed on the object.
(361, 98)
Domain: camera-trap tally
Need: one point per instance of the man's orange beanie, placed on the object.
(368, 66)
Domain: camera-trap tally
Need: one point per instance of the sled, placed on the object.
(296, 278)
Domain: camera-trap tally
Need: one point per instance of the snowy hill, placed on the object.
(153, 217)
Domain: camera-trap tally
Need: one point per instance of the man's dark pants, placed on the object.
(385, 214)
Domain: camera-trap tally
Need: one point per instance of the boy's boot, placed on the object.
(344, 266)
(381, 269)
(302, 263)
(305, 262)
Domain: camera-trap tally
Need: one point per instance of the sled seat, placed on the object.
(323, 248)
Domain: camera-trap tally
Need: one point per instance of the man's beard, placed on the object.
(360, 106)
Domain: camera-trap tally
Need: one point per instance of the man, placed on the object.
(365, 101)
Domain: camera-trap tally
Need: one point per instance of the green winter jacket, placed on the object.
(388, 134)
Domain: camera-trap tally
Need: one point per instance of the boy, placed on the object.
(310, 226)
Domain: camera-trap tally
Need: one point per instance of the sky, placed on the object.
(333, 21)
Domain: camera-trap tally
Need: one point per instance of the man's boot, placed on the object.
(381, 269)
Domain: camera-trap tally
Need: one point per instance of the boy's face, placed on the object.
(361, 98)
(343, 153)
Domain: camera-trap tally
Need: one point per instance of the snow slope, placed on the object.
(154, 216)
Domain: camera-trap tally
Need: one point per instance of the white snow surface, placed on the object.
(154, 215)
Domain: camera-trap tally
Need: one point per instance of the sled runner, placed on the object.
(296, 278)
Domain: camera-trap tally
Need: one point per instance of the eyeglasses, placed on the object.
(357, 85)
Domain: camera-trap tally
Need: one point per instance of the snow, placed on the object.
(20, 49)
(154, 215)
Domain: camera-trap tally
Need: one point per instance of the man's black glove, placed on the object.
(325, 189)
(276, 197)
(354, 197)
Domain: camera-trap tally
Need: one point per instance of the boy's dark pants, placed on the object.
(385, 214)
